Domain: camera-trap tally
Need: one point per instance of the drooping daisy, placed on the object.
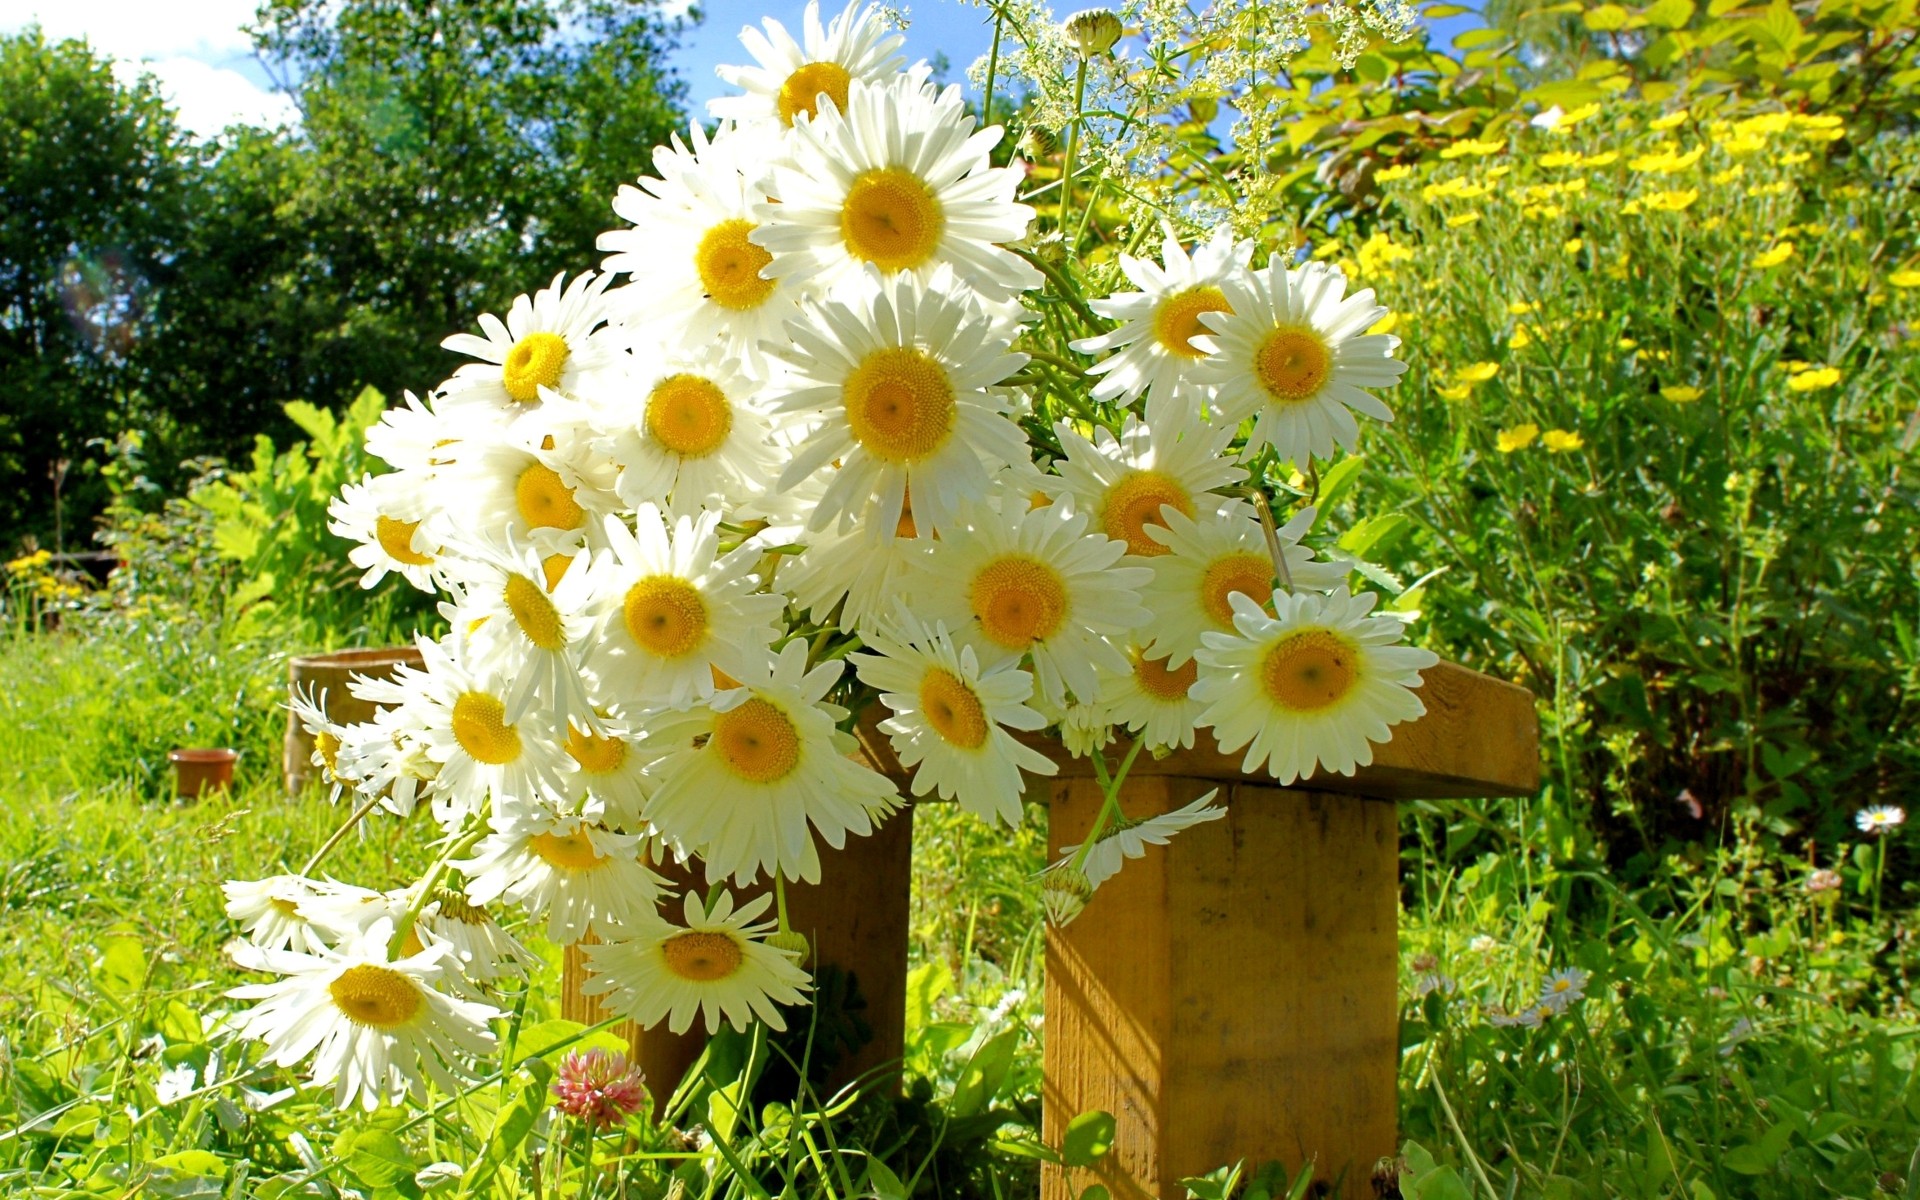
(526, 623)
(412, 438)
(717, 965)
(897, 377)
(696, 439)
(1160, 321)
(388, 755)
(309, 708)
(556, 339)
(612, 771)
(1211, 559)
(1035, 582)
(385, 514)
(1155, 700)
(1126, 839)
(269, 912)
(372, 1027)
(1295, 355)
(762, 769)
(896, 178)
(950, 718)
(696, 275)
(677, 610)
(1312, 686)
(580, 875)
(1880, 819)
(458, 711)
(792, 76)
(860, 570)
(1172, 461)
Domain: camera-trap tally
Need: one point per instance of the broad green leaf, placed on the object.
(883, 1183)
(1606, 18)
(379, 1158)
(985, 1072)
(193, 1162)
(1669, 14)
(548, 1038)
(122, 968)
(1088, 1138)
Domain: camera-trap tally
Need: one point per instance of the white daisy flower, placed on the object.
(613, 765)
(897, 378)
(484, 951)
(387, 755)
(385, 514)
(582, 876)
(1154, 700)
(457, 711)
(310, 709)
(1158, 323)
(1209, 560)
(556, 339)
(677, 610)
(1564, 988)
(860, 570)
(525, 623)
(951, 718)
(1295, 355)
(1311, 687)
(770, 747)
(699, 439)
(549, 498)
(1035, 582)
(792, 76)
(270, 911)
(1126, 839)
(898, 179)
(1174, 461)
(372, 1027)
(718, 965)
(1882, 818)
(412, 438)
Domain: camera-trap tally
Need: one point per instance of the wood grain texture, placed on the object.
(330, 673)
(1232, 995)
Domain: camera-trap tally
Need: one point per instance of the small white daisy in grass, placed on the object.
(1158, 323)
(385, 514)
(557, 339)
(899, 180)
(1034, 582)
(1154, 700)
(1564, 988)
(528, 620)
(761, 769)
(579, 875)
(376, 1030)
(1312, 686)
(457, 710)
(695, 277)
(1174, 460)
(717, 966)
(270, 911)
(613, 771)
(503, 486)
(1210, 560)
(696, 438)
(676, 611)
(1127, 838)
(896, 377)
(791, 76)
(1293, 354)
(950, 718)
(859, 571)
(1881, 818)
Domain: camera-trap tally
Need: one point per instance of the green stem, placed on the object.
(1110, 797)
(326, 848)
(993, 66)
(468, 840)
(780, 899)
(1879, 874)
(1073, 143)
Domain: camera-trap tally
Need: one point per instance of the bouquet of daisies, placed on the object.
(833, 428)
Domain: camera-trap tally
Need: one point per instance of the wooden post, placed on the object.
(330, 673)
(1234, 996)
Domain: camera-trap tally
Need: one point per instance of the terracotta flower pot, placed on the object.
(197, 772)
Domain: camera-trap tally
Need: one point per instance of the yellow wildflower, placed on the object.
(1559, 441)
(1815, 380)
(1389, 174)
(1908, 278)
(1457, 392)
(1574, 116)
(1521, 308)
(1560, 158)
(1775, 256)
(1669, 160)
(1605, 158)
(1676, 201)
(1573, 245)
(1771, 189)
(1476, 373)
(1675, 118)
(1386, 324)
(1794, 159)
(1626, 343)
(1681, 394)
(1543, 212)
(1458, 220)
(1517, 438)
(1722, 178)
(1521, 339)
(1478, 149)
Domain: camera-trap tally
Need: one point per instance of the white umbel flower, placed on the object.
(950, 718)
(1210, 559)
(897, 377)
(791, 76)
(1122, 483)
(1129, 839)
(901, 181)
(373, 1028)
(581, 876)
(1293, 353)
(556, 339)
(717, 966)
(1311, 687)
(1158, 324)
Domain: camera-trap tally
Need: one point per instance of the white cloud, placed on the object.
(205, 29)
(210, 98)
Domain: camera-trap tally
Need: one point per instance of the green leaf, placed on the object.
(1374, 532)
(985, 1073)
(1088, 1138)
(883, 1183)
(1669, 14)
(193, 1162)
(925, 985)
(122, 968)
(379, 1158)
(1780, 28)
(1096, 1191)
(1335, 482)
(549, 1038)
(1749, 1160)
(1606, 18)
(1446, 10)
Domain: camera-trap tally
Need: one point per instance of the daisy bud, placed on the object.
(1065, 892)
(1094, 31)
(792, 943)
(599, 1088)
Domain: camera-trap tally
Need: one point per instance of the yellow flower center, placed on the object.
(666, 616)
(689, 415)
(801, 92)
(480, 726)
(568, 851)
(1019, 601)
(729, 266)
(1292, 362)
(1177, 322)
(891, 219)
(535, 614)
(1135, 502)
(757, 741)
(373, 995)
(545, 501)
(289, 907)
(396, 538)
(1240, 571)
(900, 405)
(701, 956)
(1157, 681)
(596, 755)
(535, 361)
(1310, 670)
(953, 709)
(553, 566)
